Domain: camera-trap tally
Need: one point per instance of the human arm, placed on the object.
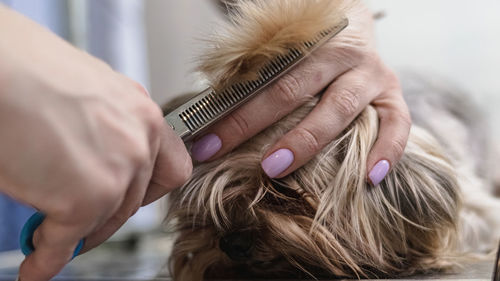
(80, 142)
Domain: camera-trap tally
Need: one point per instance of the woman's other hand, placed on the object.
(352, 75)
(80, 142)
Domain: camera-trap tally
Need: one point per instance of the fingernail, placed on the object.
(379, 171)
(206, 147)
(277, 162)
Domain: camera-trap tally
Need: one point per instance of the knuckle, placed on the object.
(139, 155)
(350, 54)
(68, 210)
(406, 121)
(134, 85)
(402, 118)
(239, 124)
(150, 112)
(389, 77)
(107, 196)
(392, 79)
(308, 140)
(107, 193)
(136, 149)
(287, 90)
(183, 174)
(140, 88)
(370, 57)
(398, 147)
(156, 122)
(347, 102)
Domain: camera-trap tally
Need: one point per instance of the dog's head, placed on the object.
(323, 219)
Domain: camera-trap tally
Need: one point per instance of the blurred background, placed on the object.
(156, 42)
(456, 40)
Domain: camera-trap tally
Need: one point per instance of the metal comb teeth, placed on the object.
(209, 106)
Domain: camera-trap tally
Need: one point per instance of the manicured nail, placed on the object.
(379, 171)
(277, 162)
(206, 147)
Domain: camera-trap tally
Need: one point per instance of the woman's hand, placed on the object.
(352, 76)
(79, 142)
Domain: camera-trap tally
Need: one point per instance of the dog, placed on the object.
(432, 210)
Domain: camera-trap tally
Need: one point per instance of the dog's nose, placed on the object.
(237, 245)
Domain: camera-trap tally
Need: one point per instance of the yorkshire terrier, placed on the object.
(324, 220)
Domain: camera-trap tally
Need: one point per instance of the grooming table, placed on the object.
(111, 262)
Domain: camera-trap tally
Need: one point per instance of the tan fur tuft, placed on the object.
(260, 30)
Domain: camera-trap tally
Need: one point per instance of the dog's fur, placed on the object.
(325, 219)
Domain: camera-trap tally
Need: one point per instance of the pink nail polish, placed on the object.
(379, 171)
(277, 162)
(206, 147)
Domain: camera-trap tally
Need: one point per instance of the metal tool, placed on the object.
(210, 106)
(191, 118)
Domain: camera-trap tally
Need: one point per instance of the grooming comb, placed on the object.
(191, 118)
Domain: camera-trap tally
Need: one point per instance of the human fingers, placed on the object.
(275, 102)
(339, 105)
(394, 130)
(54, 241)
(173, 166)
(144, 167)
(131, 203)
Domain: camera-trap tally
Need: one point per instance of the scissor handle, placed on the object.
(26, 239)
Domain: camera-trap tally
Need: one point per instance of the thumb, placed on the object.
(173, 165)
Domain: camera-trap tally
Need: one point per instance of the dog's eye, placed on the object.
(238, 245)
